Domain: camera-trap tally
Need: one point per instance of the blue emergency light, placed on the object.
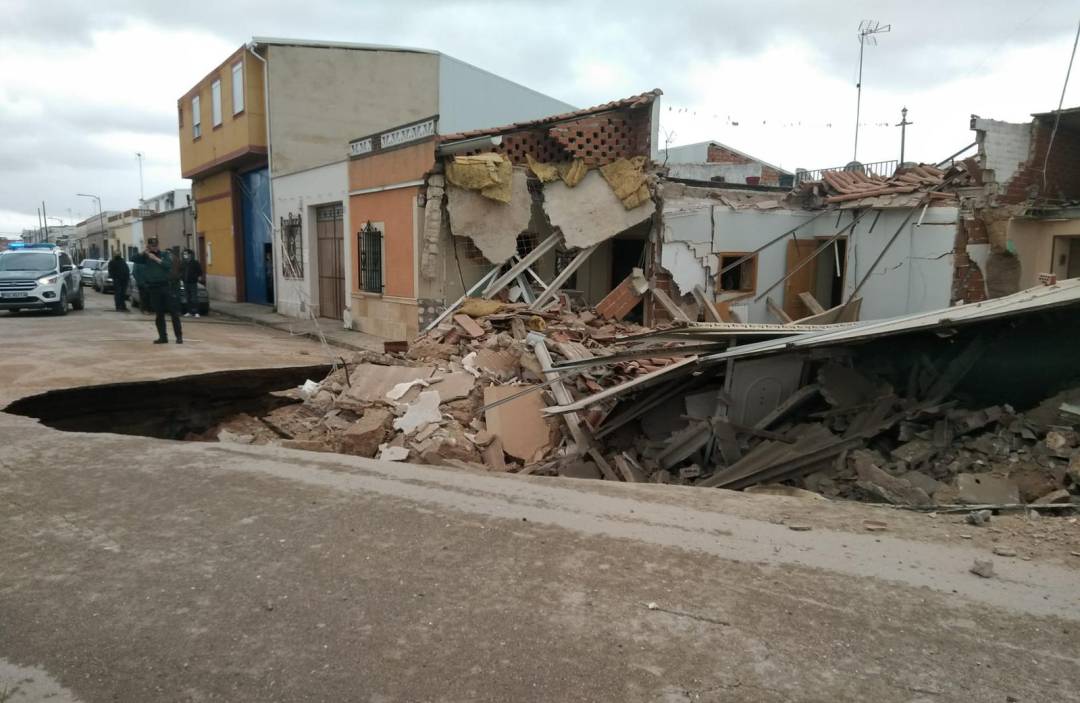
(35, 245)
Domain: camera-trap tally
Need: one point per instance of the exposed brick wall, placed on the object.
(1015, 154)
(719, 155)
(596, 139)
(968, 284)
(769, 176)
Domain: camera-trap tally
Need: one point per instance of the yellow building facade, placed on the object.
(223, 150)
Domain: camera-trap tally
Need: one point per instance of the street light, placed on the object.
(97, 199)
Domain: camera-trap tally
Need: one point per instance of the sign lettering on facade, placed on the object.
(360, 147)
(408, 134)
(393, 138)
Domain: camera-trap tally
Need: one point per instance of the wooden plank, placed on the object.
(668, 304)
(469, 325)
(777, 312)
(523, 263)
(457, 304)
(793, 401)
(811, 302)
(574, 351)
(634, 384)
(573, 421)
(727, 442)
(630, 471)
(564, 275)
(801, 272)
(711, 313)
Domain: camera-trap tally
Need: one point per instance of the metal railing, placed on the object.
(884, 169)
(951, 159)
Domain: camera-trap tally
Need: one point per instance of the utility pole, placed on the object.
(867, 30)
(902, 124)
(45, 219)
(139, 155)
(39, 221)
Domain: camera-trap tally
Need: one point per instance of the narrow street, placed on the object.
(145, 569)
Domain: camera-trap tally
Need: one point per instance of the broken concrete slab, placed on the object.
(915, 453)
(501, 364)
(453, 386)
(589, 213)
(371, 382)
(1058, 496)
(923, 481)
(517, 423)
(884, 485)
(391, 453)
(366, 434)
(231, 437)
(399, 390)
(986, 489)
(469, 325)
(424, 410)
(491, 225)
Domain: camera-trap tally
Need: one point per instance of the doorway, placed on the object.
(330, 239)
(829, 278)
(257, 237)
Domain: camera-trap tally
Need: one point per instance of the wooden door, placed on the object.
(330, 237)
(798, 251)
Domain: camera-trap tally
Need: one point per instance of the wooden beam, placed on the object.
(523, 263)
(710, 310)
(556, 283)
(573, 421)
(777, 312)
(811, 303)
(674, 310)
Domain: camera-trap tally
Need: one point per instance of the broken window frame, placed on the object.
(369, 248)
(749, 266)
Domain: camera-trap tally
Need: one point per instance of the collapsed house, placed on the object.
(567, 308)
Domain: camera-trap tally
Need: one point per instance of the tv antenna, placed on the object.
(867, 31)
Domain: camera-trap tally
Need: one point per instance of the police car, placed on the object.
(39, 277)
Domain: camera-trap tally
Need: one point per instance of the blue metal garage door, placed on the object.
(258, 239)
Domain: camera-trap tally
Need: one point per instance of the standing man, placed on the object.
(118, 272)
(156, 271)
(192, 273)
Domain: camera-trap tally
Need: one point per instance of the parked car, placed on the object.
(87, 269)
(39, 277)
(204, 297)
(103, 282)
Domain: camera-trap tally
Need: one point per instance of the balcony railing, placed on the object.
(884, 169)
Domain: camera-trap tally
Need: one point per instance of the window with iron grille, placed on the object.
(292, 264)
(369, 242)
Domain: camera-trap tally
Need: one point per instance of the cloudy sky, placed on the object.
(83, 86)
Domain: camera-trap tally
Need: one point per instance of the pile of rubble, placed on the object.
(468, 394)
(859, 413)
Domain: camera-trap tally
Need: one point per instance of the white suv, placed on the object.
(39, 277)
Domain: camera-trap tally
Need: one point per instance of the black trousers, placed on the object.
(120, 294)
(162, 300)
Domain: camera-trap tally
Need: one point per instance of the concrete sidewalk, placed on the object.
(332, 330)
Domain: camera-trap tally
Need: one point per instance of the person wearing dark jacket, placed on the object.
(158, 275)
(191, 273)
(119, 273)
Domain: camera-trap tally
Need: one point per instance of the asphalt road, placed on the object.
(134, 569)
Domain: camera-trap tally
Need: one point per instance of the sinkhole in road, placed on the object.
(172, 408)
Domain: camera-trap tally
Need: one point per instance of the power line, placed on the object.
(1057, 119)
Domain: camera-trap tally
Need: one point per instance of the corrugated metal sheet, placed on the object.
(1061, 294)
